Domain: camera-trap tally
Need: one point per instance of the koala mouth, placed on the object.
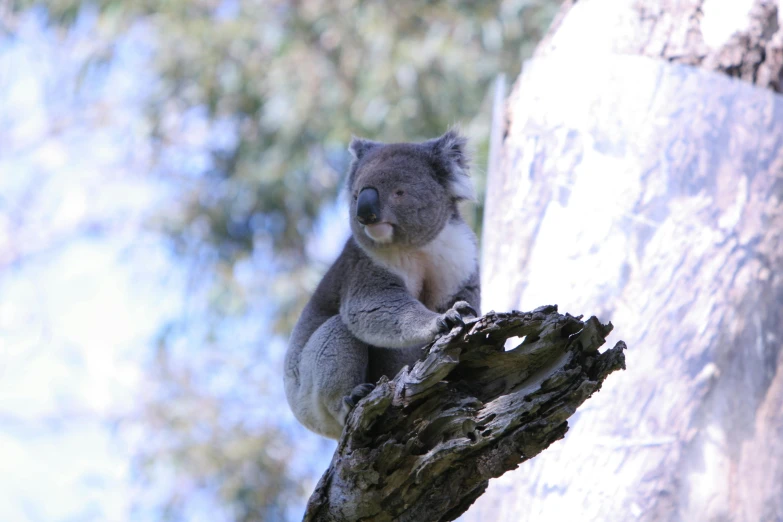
(379, 232)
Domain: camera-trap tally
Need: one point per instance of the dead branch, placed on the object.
(424, 445)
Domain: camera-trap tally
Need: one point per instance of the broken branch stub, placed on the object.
(424, 445)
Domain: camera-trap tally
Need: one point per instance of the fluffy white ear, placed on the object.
(451, 150)
(360, 146)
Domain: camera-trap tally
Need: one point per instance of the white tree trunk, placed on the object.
(652, 192)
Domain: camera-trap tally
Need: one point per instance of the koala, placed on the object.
(408, 273)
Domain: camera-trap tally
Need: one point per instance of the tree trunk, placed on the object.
(636, 177)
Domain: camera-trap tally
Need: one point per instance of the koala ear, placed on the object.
(450, 150)
(360, 146)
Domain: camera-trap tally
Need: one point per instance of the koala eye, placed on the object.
(400, 193)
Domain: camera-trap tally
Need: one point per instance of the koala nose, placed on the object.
(368, 206)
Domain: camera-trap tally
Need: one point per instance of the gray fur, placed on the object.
(383, 299)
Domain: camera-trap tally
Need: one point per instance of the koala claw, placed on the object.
(449, 320)
(358, 393)
(453, 316)
(464, 309)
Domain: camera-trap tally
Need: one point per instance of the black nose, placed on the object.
(368, 206)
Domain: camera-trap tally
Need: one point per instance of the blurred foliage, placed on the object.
(284, 84)
(255, 104)
(241, 462)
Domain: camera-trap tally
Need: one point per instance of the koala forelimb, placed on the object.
(408, 273)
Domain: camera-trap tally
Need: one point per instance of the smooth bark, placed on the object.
(651, 191)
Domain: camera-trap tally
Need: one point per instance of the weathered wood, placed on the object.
(424, 445)
(651, 192)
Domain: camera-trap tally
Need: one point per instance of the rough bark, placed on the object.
(424, 445)
(739, 38)
(651, 192)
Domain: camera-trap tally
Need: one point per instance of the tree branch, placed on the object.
(424, 445)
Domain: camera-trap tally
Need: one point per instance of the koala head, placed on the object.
(403, 194)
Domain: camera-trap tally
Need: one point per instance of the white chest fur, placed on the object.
(435, 272)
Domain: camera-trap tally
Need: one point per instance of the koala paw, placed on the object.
(358, 393)
(453, 316)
